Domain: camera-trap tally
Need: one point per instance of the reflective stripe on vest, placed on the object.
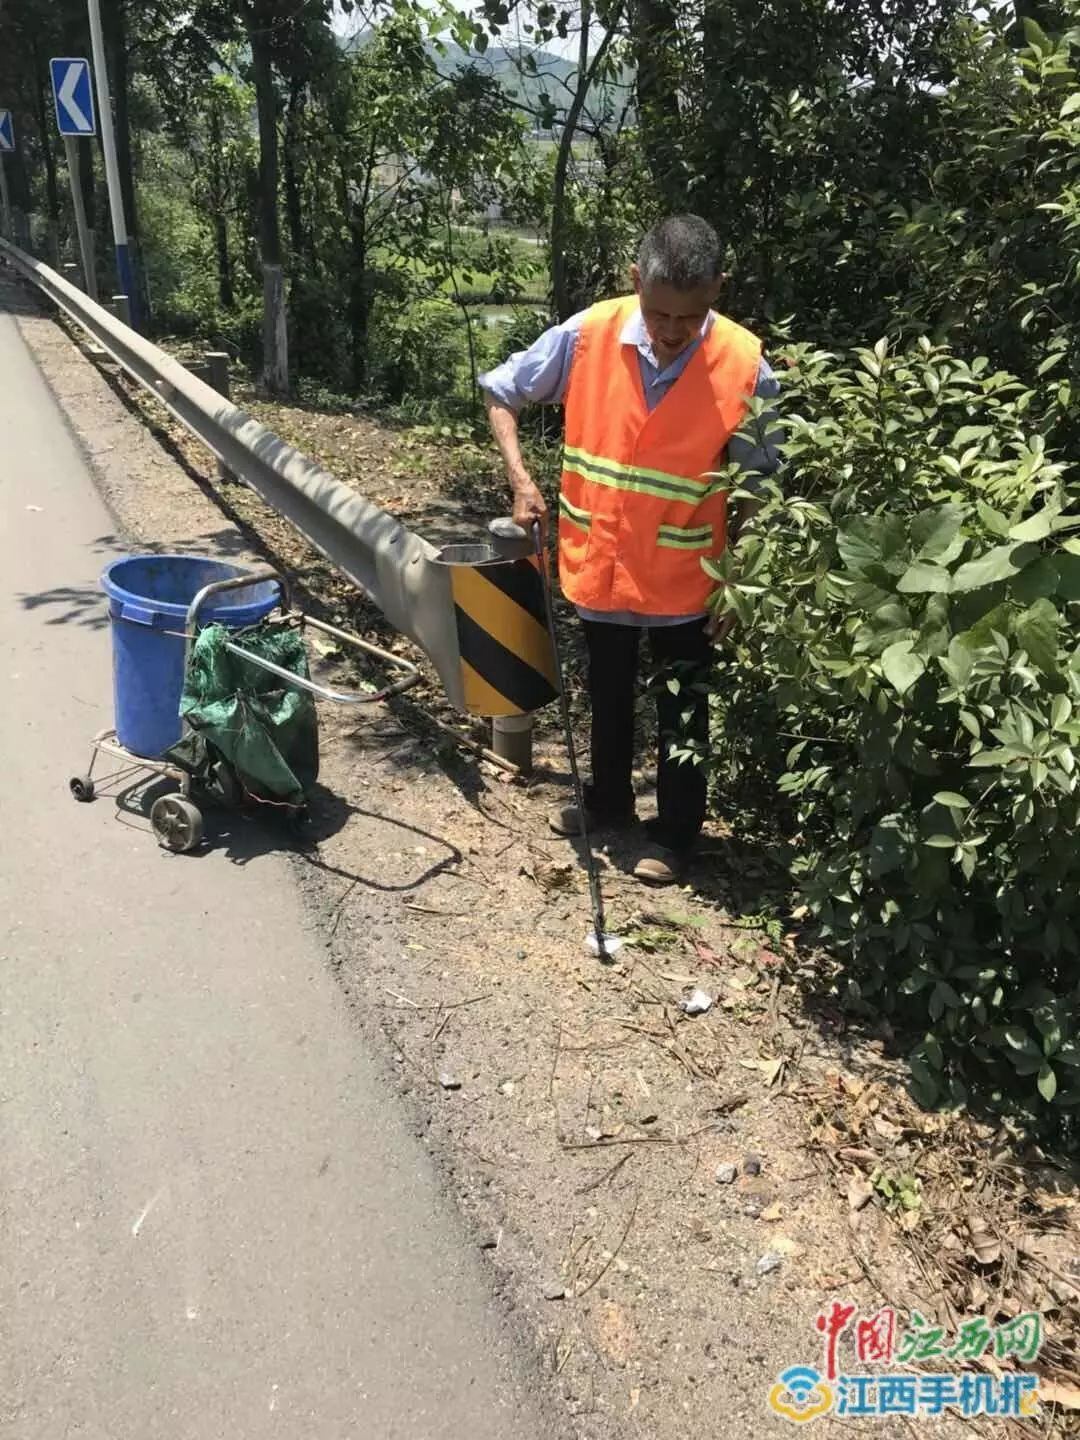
(581, 518)
(640, 505)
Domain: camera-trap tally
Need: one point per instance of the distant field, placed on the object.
(477, 285)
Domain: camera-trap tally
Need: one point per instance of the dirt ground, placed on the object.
(670, 1199)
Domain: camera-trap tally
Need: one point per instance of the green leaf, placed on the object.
(991, 759)
(1035, 35)
(888, 849)
(961, 661)
(869, 539)
(900, 667)
(1060, 711)
(994, 565)
(1050, 361)
(1037, 581)
(920, 578)
(1037, 632)
(994, 521)
(1017, 1038)
(1071, 106)
(1047, 1083)
(935, 534)
(1068, 573)
(941, 842)
(952, 800)
(1038, 527)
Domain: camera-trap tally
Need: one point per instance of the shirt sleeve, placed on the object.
(756, 449)
(540, 373)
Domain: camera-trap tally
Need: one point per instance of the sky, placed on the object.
(347, 25)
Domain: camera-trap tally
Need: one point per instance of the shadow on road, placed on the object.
(248, 834)
(70, 605)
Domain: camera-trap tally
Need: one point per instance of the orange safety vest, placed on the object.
(638, 509)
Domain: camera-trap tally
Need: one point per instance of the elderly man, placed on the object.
(656, 386)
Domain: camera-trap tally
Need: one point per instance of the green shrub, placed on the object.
(418, 349)
(909, 605)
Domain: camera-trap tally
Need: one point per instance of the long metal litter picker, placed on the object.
(604, 946)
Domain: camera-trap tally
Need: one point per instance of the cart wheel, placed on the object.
(177, 823)
(81, 787)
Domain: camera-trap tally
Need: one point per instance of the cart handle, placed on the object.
(267, 572)
(237, 582)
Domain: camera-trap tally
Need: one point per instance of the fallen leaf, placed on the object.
(774, 1212)
(985, 1247)
(860, 1193)
(635, 1396)
(323, 647)
(856, 1156)
(771, 1067)
(978, 1293)
(886, 1129)
(548, 876)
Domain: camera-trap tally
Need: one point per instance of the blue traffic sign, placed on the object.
(73, 96)
(7, 131)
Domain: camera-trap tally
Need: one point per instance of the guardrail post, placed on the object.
(73, 275)
(217, 377)
(121, 308)
(511, 739)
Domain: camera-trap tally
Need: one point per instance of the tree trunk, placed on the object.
(359, 280)
(45, 130)
(275, 325)
(226, 294)
(294, 215)
(560, 200)
(653, 26)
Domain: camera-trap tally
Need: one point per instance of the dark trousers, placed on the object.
(680, 653)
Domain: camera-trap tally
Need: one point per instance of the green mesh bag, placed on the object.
(251, 733)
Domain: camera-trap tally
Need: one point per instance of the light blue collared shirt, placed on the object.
(541, 373)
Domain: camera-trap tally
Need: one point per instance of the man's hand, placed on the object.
(719, 627)
(529, 505)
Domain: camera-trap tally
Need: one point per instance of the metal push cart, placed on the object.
(176, 819)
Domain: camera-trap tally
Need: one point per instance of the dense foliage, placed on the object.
(910, 665)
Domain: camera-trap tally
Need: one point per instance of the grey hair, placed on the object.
(682, 251)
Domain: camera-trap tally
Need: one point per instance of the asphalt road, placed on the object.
(214, 1221)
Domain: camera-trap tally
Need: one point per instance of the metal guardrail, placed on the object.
(391, 564)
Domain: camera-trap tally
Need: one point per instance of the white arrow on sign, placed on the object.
(66, 96)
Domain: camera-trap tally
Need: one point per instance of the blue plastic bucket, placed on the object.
(149, 597)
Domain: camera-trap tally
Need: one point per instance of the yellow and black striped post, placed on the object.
(507, 665)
